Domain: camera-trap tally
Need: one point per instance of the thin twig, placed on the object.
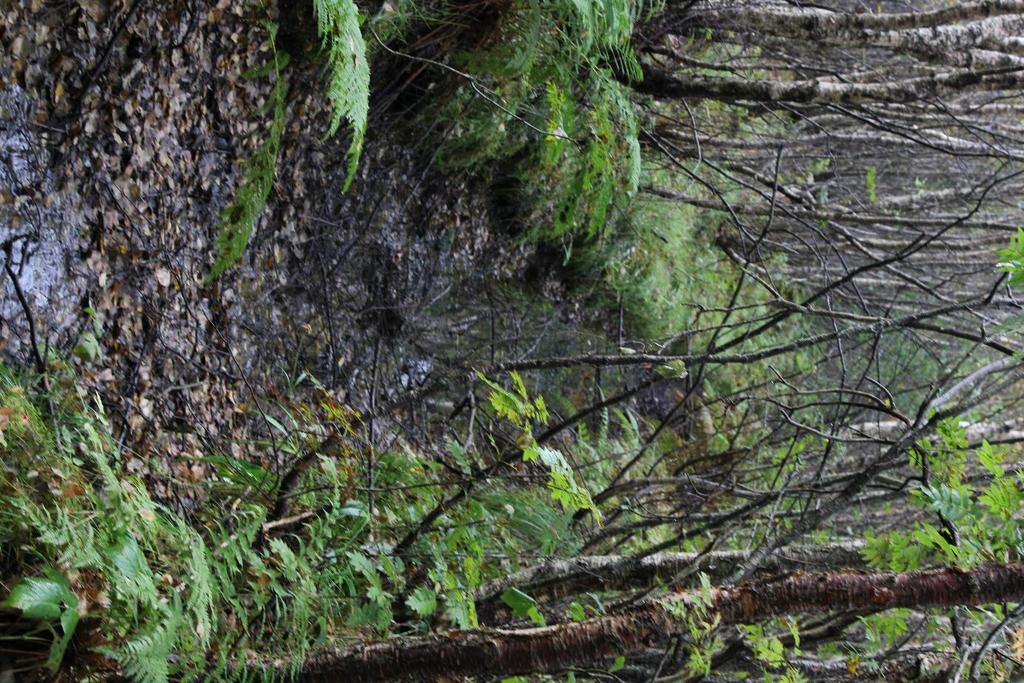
(474, 83)
(33, 340)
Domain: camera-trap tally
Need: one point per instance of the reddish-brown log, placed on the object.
(553, 648)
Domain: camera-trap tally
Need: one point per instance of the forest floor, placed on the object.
(607, 291)
(110, 225)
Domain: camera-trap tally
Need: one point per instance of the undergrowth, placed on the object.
(121, 583)
(542, 102)
(131, 585)
(545, 100)
(661, 266)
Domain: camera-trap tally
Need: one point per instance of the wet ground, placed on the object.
(123, 133)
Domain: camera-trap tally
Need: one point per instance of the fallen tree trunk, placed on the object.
(662, 85)
(586, 643)
(556, 579)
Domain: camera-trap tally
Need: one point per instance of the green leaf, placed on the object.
(354, 508)
(871, 181)
(522, 605)
(1002, 498)
(930, 537)
(422, 601)
(540, 409)
(129, 571)
(531, 453)
(461, 610)
(673, 369)
(127, 558)
(576, 611)
(519, 385)
(883, 630)
(518, 601)
(48, 599)
(952, 502)
(536, 617)
(794, 631)
(377, 594)
(42, 598)
(507, 404)
(458, 454)
(990, 459)
(362, 564)
(88, 348)
(238, 219)
(617, 665)
(471, 570)
(278, 63)
(562, 480)
(1012, 259)
(236, 471)
(276, 424)
(68, 624)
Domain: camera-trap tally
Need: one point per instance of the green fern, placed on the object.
(144, 658)
(348, 91)
(200, 600)
(165, 580)
(556, 112)
(239, 218)
(348, 87)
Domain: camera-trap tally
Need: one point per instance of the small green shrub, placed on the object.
(87, 541)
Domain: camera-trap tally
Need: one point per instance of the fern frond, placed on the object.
(201, 588)
(239, 218)
(348, 87)
(144, 658)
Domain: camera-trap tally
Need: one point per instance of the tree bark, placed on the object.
(564, 646)
(561, 578)
(821, 23)
(662, 85)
